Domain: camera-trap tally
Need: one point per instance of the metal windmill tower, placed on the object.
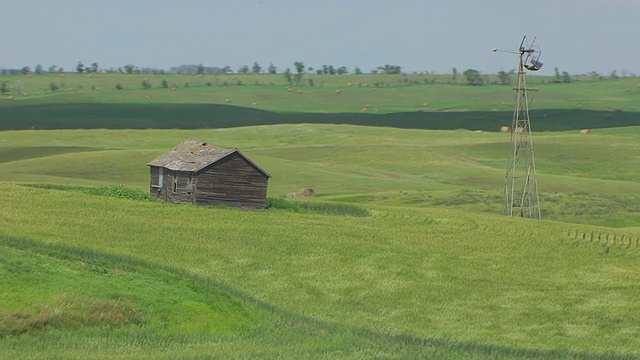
(521, 186)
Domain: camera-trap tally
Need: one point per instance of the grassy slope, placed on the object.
(430, 275)
(589, 179)
(539, 287)
(74, 303)
(50, 289)
(363, 279)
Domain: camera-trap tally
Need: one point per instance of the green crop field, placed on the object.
(402, 252)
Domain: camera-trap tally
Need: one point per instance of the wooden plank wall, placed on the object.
(181, 195)
(232, 181)
(154, 174)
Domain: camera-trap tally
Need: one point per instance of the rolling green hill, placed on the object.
(426, 282)
(583, 178)
(428, 270)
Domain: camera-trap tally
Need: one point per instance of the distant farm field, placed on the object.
(320, 93)
(412, 258)
(411, 101)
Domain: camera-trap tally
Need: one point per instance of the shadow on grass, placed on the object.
(213, 116)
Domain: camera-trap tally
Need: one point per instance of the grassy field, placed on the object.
(401, 254)
(462, 169)
(412, 101)
(411, 281)
(330, 94)
(383, 93)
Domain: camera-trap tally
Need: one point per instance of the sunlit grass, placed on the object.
(373, 165)
(400, 253)
(47, 288)
(427, 273)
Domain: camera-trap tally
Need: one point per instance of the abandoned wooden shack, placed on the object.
(203, 174)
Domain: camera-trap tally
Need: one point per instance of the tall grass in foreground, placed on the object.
(164, 321)
(436, 276)
(78, 326)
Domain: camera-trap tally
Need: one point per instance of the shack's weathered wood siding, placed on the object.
(232, 181)
(184, 190)
(202, 174)
(154, 176)
(180, 193)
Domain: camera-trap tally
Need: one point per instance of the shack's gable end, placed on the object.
(233, 180)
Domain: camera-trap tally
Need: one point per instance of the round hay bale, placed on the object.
(478, 131)
(227, 100)
(425, 104)
(254, 103)
(505, 129)
(300, 91)
(585, 131)
(173, 89)
(349, 84)
(365, 109)
(306, 192)
(295, 194)
(25, 94)
(147, 97)
(10, 97)
(338, 91)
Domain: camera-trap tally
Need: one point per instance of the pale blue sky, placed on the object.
(577, 36)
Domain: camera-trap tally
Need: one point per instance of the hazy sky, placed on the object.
(577, 36)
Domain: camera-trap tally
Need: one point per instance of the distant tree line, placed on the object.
(255, 68)
(300, 72)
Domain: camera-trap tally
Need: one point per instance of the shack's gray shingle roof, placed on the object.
(194, 156)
